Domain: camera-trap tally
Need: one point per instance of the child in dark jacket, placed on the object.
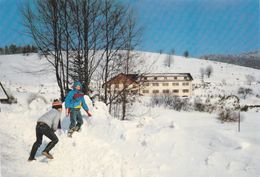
(47, 124)
(73, 103)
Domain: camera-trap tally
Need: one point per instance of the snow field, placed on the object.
(158, 142)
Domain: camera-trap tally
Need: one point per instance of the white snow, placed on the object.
(158, 142)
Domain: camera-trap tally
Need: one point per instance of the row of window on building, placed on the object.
(167, 84)
(165, 78)
(167, 91)
(163, 84)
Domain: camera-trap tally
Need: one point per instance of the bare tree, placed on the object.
(68, 33)
(113, 30)
(76, 35)
(250, 79)
(122, 98)
(202, 72)
(169, 59)
(86, 19)
(186, 54)
(172, 53)
(44, 25)
(132, 38)
(208, 71)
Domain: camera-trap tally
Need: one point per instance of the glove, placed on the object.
(88, 113)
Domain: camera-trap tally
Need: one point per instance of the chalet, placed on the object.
(179, 84)
(121, 81)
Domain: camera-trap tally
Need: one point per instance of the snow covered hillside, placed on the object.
(158, 142)
(226, 79)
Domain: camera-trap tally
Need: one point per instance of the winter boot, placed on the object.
(31, 159)
(70, 132)
(77, 128)
(48, 155)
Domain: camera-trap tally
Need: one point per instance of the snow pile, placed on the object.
(157, 142)
(161, 143)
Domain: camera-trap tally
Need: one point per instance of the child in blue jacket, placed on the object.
(73, 103)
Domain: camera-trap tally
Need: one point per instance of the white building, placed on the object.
(179, 84)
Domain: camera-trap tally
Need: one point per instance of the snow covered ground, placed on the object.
(158, 142)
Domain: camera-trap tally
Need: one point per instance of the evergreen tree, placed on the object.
(186, 54)
(13, 48)
(6, 50)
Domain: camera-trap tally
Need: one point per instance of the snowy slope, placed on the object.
(226, 78)
(157, 143)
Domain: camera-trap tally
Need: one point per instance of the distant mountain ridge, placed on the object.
(249, 59)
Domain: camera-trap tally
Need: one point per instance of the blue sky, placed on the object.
(199, 26)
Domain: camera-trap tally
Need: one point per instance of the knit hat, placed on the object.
(77, 84)
(56, 104)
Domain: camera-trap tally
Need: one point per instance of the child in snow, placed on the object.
(73, 103)
(47, 124)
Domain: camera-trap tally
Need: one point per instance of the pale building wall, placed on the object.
(167, 85)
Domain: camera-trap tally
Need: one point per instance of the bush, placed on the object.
(198, 105)
(244, 92)
(228, 115)
(181, 104)
(12, 100)
(226, 107)
(176, 104)
(172, 102)
(156, 101)
(244, 108)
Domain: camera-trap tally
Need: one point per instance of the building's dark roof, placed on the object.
(134, 77)
(168, 75)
